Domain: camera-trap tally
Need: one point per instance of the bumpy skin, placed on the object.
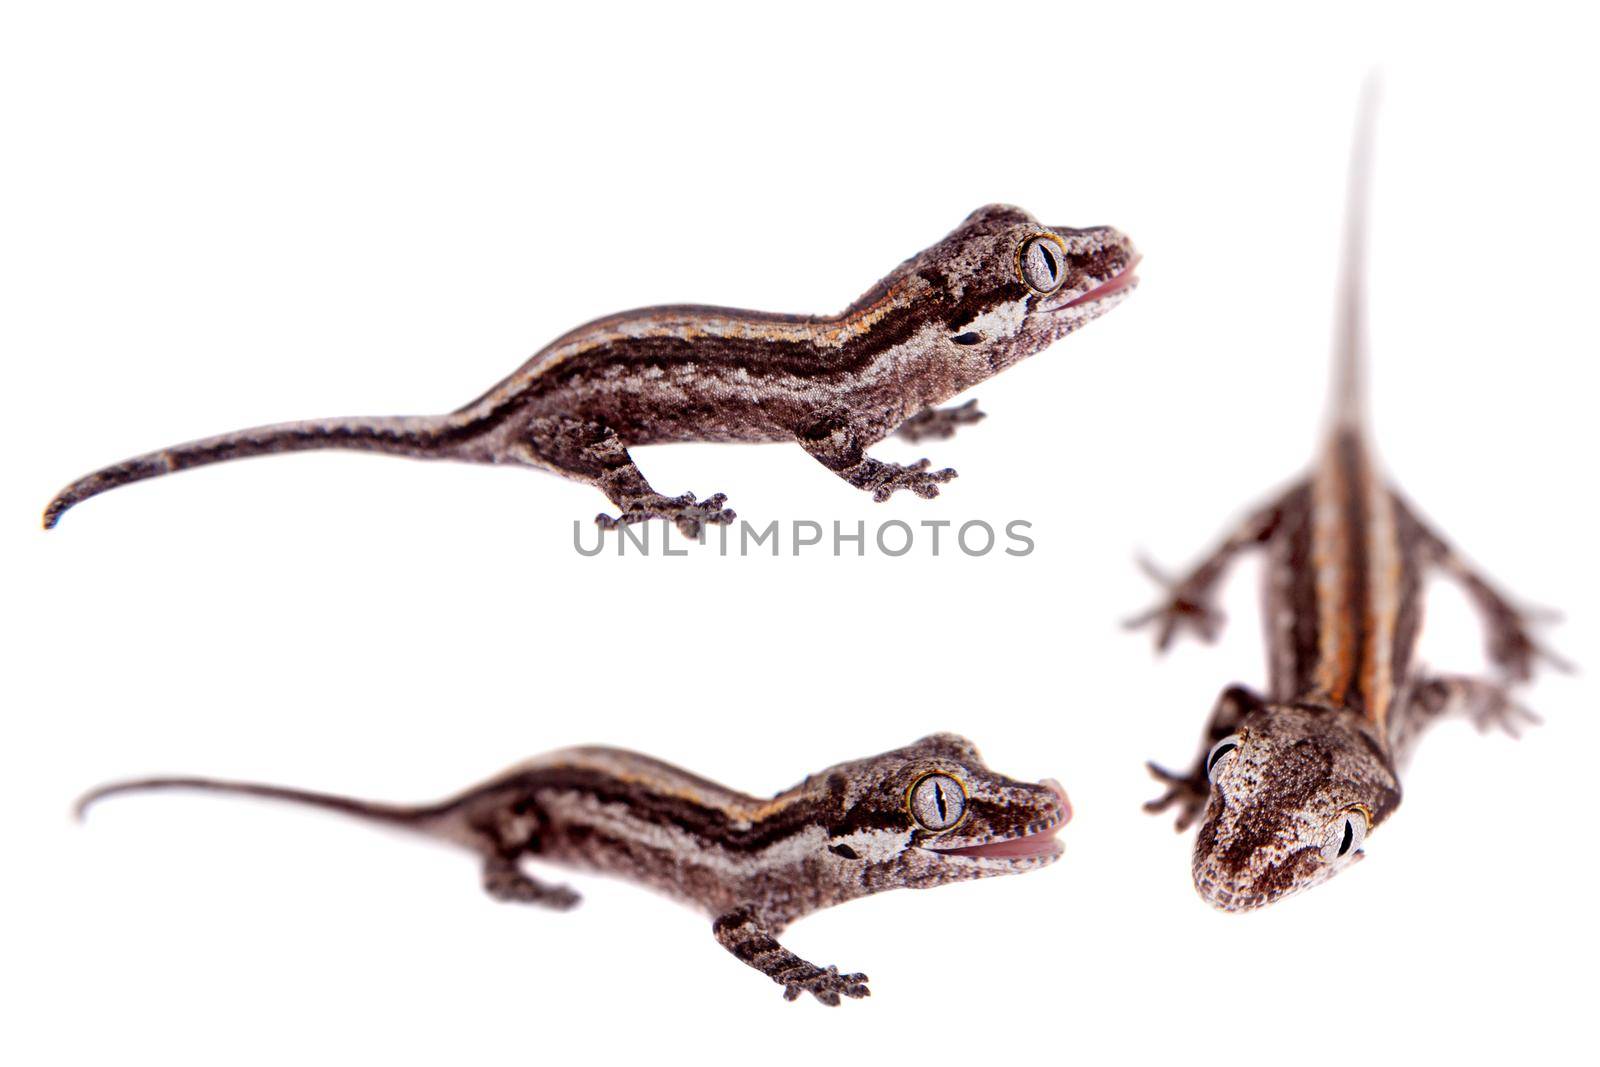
(753, 864)
(943, 321)
(1315, 764)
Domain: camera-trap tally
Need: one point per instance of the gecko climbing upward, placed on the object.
(998, 289)
(1291, 783)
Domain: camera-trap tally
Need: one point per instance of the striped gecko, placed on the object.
(919, 816)
(998, 289)
(1291, 783)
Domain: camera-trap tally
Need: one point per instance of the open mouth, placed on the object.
(1037, 841)
(1120, 281)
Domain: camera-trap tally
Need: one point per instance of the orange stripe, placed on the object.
(1331, 558)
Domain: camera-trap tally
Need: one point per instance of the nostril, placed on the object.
(968, 338)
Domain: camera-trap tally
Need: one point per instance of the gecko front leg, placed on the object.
(504, 879)
(1189, 602)
(1508, 629)
(1488, 704)
(742, 933)
(837, 446)
(594, 453)
(1190, 791)
(939, 423)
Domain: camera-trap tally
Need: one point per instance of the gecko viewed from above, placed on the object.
(998, 289)
(919, 816)
(1291, 783)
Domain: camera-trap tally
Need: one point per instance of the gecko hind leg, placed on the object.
(1508, 629)
(504, 879)
(1189, 604)
(689, 515)
(939, 423)
(594, 453)
(742, 933)
(833, 444)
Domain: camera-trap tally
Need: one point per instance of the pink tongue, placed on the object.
(1121, 281)
(1031, 845)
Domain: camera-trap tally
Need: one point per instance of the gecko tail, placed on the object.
(416, 436)
(1350, 333)
(419, 817)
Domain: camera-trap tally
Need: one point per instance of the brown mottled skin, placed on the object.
(943, 321)
(753, 864)
(1291, 783)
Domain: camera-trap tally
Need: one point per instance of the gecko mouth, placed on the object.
(1123, 279)
(1037, 841)
(1028, 846)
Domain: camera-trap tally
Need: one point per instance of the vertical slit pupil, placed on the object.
(1222, 750)
(1049, 260)
(1349, 837)
(938, 800)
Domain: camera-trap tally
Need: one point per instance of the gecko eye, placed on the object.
(1042, 263)
(1219, 752)
(937, 802)
(1346, 834)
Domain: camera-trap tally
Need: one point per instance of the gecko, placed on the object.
(999, 288)
(927, 814)
(1291, 782)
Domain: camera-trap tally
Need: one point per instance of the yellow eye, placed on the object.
(1042, 262)
(937, 801)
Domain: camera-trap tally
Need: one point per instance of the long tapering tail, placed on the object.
(1350, 328)
(419, 817)
(425, 437)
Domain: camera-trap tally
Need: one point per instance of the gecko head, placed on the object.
(1004, 286)
(932, 812)
(1294, 793)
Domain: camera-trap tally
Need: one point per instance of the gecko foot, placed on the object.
(1490, 706)
(883, 479)
(826, 984)
(1507, 715)
(1512, 646)
(1186, 607)
(689, 515)
(1187, 792)
(939, 423)
(504, 880)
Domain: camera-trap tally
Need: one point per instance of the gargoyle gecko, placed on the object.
(998, 289)
(919, 816)
(1291, 783)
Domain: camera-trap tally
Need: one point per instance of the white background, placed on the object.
(216, 218)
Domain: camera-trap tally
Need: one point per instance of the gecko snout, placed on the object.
(1061, 797)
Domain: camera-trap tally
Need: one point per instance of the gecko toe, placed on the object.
(1186, 608)
(828, 986)
(689, 515)
(1184, 791)
(886, 479)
